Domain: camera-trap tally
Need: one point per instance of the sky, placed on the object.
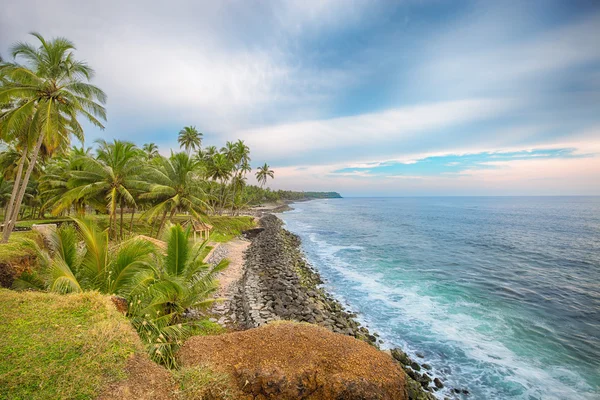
(367, 98)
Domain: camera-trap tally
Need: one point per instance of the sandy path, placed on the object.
(234, 252)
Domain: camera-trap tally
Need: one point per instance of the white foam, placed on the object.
(460, 330)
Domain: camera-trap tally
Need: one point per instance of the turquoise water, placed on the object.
(501, 295)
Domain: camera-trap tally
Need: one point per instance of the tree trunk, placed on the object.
(131, 221)
(153, 225)
(122, 207)
(162, 223)
(15, 189)
(13, 218)
(233, 197)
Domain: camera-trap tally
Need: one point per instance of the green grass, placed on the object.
(226, 228)
(205, 252)
(17, 246)
(27, 223)
(61, 346)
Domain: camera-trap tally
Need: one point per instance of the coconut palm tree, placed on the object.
(70, 268)
(175, 184)
(55, 181)
(190, 139)
(42, 99)
(179, 282)
(151, 150)
(238, 155)
(263, 173)
(220, 169)
(106, 182)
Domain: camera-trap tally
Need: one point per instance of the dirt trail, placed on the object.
(234, 251)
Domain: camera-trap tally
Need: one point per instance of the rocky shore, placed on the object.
(278, 284)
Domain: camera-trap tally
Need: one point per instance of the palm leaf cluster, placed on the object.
(159, 288)
(43, 93)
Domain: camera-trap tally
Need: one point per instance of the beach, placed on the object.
(276, 283)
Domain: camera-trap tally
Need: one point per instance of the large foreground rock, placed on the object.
(298, 361)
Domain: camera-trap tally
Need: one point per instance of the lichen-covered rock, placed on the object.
(298, 361)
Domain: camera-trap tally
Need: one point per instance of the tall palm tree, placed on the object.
(239, 155)
(263, 173)
(190, 139)
(176, 185)
(107, 182)
(151, 150)
(45, 96)
(220, 169)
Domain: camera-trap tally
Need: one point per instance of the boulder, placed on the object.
(291, 361)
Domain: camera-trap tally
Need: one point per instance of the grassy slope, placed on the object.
(226, 228)
(15, 248)
(68, 347)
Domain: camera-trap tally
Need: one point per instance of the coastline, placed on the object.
(279, 284)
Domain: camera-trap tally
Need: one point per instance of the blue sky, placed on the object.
(362, 97)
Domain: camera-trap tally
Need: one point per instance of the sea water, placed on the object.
(500, 295)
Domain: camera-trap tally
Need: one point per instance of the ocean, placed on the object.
(500, 295)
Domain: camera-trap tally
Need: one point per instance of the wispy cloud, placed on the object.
(360, 87)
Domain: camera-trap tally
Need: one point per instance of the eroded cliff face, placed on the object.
(285, 360)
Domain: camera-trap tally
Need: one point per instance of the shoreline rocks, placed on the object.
(278, 284)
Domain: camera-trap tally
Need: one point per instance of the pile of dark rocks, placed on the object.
(279, 285)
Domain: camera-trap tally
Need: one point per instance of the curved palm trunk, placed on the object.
(162, 223)
(11, 224)
(131, 221)
(113, 215)
(15, 189)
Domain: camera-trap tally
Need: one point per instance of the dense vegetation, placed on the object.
(106, 198)
(254, 195)
(44, 93)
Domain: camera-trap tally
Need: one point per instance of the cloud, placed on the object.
(222, 63)
(493, 55)
(382, 128)
(317, 86)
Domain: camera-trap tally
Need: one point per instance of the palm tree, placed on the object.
(239, 156)
(42, 99)
(107, 181)
(180, 282)
(263, 173)
(151, 150)
(190, 139)
(69, 268)
(55, 181)
(220, 168)
(176, 185)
